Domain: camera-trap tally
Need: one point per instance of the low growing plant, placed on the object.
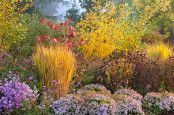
(13, 62)
(158, 103)
(15, 96)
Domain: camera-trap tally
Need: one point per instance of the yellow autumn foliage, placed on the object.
(109, 28)
(160, 50)
(55, 63)
(11, 28)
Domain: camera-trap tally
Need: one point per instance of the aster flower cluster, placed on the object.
(127, 105)
(162, 101)
(97, 87)
(68, 105)
(98, 104)
(131, 93)
(94, 104)
(15, 95)
(94, 100)
(86, 102)
(46, 99)
(128, 101)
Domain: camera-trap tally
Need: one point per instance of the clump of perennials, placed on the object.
(15, 95)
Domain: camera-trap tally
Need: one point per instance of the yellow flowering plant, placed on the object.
(109, 28)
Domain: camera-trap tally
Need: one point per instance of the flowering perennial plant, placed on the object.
(159, 102)
(85, 102)
(15, 95)
(68, 105)
(130, 93)
(98, 104)
(46, 99)
(127, 105)
(97, 88)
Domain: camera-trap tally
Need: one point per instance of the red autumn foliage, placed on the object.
(42, 21)
(69, 33)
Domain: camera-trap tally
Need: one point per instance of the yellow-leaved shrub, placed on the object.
(109, 28)
(11, 19)
(55, 63)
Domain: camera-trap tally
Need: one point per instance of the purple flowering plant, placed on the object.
(24, 68)
(15, 95)
(159, 103)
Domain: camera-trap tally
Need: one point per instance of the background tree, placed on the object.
(162, 15)
(73, 14)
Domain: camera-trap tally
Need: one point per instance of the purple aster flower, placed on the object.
(60, 63)
(78, 83)
(30, 78)
(43, 106)
(14, 93)
(148, 86)
(5, 54)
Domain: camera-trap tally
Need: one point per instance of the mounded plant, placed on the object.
(158, 103)
(55, 63)
(127, 105)
(15, 95)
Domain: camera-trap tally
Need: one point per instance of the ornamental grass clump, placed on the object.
(159, 103)
(161, 50)
(55, 63)
(15, 95)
